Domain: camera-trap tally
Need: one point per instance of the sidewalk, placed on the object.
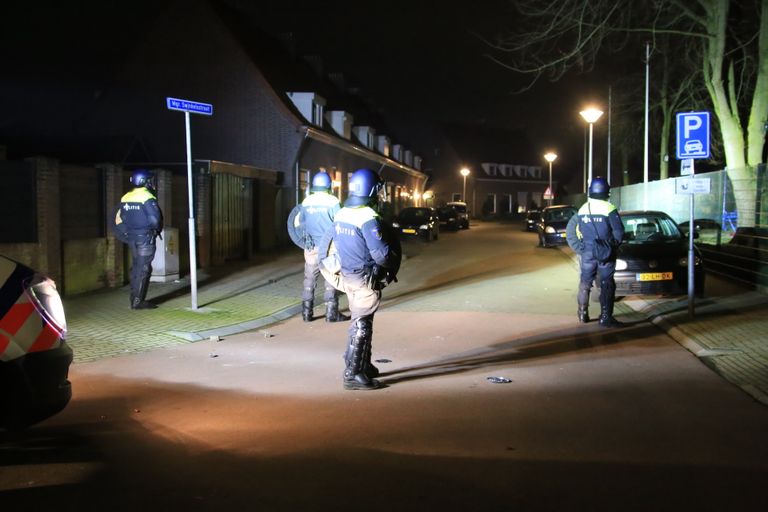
(729, 333)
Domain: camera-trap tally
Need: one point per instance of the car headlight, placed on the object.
(423, 226)
(395, 224)
(621, 264)
(683, 262)
(45, 297)
(550, 229)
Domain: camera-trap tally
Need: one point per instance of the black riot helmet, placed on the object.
(143, 178)
(599, 188)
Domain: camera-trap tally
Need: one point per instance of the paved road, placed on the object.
(591, 420)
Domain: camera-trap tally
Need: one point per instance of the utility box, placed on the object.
(165, 266)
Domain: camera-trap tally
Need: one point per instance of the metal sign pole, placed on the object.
(691, 255)
(191, 223)
(194, 107)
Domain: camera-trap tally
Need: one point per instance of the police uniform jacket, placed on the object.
(317, 212)
(359, 241)
(140, 213)
(595, 219)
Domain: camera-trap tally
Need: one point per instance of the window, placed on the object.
(456, 196)
(317, 116)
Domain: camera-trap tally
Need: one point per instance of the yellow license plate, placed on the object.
(655, 276)
(410, 231)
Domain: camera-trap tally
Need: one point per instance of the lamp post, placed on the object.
(550, 157)
(590, 115)
(464, 172)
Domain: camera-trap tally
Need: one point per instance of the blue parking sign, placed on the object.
(692, 135)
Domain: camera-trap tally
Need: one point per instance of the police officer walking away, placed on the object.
(367, 263)
(597, 219)
(316, 216)
(138, 222)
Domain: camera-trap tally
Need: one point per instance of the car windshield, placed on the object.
(533, 215)
(644, 228)
(414, 214)
(557, 214)
(461, 208)
(446, 212)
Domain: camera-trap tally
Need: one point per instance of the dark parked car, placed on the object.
(709, 231)
(531, 219)
(418, 222)
(653, 259)
(461, 209)
(34, 359)
(552, 223)
(449, 217)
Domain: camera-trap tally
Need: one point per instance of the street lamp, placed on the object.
(464, 172)
(550, 157)
(590, 115)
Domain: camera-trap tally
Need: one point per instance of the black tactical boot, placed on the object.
(332, 313)
(355, 377)
(368, 368)
(138, 301)
(606, 317)
(307, 310)
(582, 299)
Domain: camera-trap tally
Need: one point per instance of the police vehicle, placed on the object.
(34, 358)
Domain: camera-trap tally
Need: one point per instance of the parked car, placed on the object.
(449, 217)
(552, 222)
(531, 219)
(708, 230)
(653, 259)
(418, 222)
(461, 209)
(34, 358)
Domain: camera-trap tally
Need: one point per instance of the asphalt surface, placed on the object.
(591, 419)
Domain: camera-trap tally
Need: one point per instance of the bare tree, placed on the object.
(728, 37)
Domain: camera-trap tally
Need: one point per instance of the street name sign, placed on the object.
(195, 107)
(692, 135)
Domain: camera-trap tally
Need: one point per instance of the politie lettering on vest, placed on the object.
(307, 224)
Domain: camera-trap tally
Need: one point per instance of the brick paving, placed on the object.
(729, 333)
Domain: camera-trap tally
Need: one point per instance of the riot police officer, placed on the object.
(138, 222)
(316, 216)
(596, 219)
(368, 261)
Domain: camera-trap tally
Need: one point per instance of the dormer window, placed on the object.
(311, 106)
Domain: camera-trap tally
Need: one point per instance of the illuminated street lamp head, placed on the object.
(464, 172)
(550, 157)
(591, 115)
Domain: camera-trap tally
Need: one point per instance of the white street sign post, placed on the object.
(194, 107)
(692, 143)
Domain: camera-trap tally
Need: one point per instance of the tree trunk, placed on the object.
(724, 103)
(758, 116)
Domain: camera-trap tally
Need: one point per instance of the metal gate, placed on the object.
(231, 217)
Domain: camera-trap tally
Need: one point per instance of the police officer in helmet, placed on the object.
(138, 222)
(368, 261)
(316, 215)
(596, 219)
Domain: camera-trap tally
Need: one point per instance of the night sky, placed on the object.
(415, 61)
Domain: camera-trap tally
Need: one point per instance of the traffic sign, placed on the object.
(194, 107)
(548, 194)
(692, 186)
(686, 167)
(692, 135)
